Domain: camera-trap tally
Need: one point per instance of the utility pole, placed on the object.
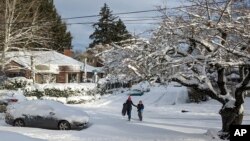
(85, 69)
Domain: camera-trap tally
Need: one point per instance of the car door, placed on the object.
(49, 120)
(38, 117)
(49, 117)
(38, 121)
(32, 120)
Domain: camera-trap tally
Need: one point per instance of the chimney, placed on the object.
(68, 52)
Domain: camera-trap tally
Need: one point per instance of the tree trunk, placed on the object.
(229, 116)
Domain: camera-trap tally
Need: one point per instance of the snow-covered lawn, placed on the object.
(163, 120)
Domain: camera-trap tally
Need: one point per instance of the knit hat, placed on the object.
(129, 97)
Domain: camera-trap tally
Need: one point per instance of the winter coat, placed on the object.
(129, 104)
(140, 107)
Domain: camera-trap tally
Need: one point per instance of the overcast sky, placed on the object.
(76, 8)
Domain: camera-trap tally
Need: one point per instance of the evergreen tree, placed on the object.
(107, 29)
(121, 32)
(59, 37)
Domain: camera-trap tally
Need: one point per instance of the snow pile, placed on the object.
(213, 134)
(12, 94)
(31, 98)
(59, 99)
(44, 107)
(79, 99)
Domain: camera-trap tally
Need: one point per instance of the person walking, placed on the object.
(140, 108)
(129, 104)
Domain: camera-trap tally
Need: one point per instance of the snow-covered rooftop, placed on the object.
(52, 59)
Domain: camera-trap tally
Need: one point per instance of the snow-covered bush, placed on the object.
(60, 93)
(79, 99)
(54, 92)
(16, 83)
(32, 93)
(59, 99)
(65, 93)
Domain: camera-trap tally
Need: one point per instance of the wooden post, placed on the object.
(33, 75)
(85, 69)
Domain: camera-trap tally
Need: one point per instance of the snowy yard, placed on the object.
(163, 120)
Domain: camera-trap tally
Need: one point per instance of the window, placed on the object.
(15, 74)
(72, 77)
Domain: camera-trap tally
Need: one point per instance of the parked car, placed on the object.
(9, 97)
(135, 92)
(46, 114)
(143, 86)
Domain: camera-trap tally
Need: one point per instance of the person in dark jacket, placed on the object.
(129, 104)
(140, 108)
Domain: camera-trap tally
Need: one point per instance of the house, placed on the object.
(91, 55)
(92, 59)
(48, 66)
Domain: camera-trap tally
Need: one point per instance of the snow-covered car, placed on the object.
(46, 114)
(8, 97)
(143, 86)
(135, 92)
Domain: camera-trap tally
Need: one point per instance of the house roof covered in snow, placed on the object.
(52, 59)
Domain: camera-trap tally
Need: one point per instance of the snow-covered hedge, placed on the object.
(16, 83)
(65, 93)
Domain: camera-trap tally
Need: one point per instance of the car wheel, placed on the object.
(19, 123)
(64, 125)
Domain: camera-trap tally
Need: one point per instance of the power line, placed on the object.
(141, 17)
(132, 21)
(142, 11)
(123, 13)
(90, 23)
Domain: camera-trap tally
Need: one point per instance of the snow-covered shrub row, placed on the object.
(16, 83)
(81, 92)
(80, 99)
(69, 100)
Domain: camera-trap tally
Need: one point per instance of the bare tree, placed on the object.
(21, 27)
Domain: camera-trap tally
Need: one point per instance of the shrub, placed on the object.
(36, 93)
(16, 83)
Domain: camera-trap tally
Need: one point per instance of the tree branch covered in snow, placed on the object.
(204, 43)
(204, 46)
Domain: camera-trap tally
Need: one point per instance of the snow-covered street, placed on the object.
(163, 120)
